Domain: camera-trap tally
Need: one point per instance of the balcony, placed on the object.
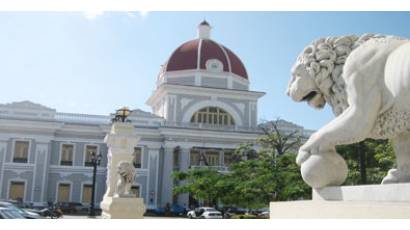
(83, 118)
(219, 168)
(188, 125)
(66, 163)
(20, 160)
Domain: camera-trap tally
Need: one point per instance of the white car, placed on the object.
(204, 213)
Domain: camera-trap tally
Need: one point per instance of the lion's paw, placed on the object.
(302, 156)
(396, 176)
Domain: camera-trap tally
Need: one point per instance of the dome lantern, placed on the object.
(204, 30)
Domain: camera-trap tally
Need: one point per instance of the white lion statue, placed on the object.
(126, 174)
(366, 81)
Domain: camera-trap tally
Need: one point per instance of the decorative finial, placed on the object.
(204, 30)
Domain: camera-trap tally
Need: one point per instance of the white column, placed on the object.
(3, 151)
(221, 157)
(121, 142)
(153, 177)
(183, 199)
(39, 185)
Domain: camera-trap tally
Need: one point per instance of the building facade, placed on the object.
(202, 109)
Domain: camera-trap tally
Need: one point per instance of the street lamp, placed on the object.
(122, 114)
(95, 161)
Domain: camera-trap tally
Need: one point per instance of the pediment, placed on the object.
(26, 109)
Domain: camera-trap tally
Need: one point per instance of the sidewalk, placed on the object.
(99, 217)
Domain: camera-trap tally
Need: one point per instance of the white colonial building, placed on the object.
(202, 109)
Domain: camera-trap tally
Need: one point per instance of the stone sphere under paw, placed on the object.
(324, 169)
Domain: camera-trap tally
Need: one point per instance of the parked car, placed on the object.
(234, 210)
(25, 213)
(204, 213)
(264, 215)
(155, 212)
(8, 213)
(72, 207)
(178, 210)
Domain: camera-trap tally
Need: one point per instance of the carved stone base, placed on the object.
(122, 208)
(340, 209)
(365, 201)
(381, 193)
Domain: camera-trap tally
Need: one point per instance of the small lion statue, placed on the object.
(126, 174)
(366, 81)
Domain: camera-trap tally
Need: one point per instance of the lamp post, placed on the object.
(95, 161)
(122, 114)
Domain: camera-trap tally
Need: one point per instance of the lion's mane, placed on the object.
(324, 60)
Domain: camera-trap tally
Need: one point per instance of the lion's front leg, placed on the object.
(320, 164)
(352, 126)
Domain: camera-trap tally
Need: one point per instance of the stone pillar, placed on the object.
(40, 174)
(121, 142)
(167, 181)
(184, 163)
(221, 157)
(3, 151)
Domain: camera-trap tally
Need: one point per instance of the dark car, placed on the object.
(8, 213)
(72, 207)
(155, 212)
(25, 213)
(178, 210)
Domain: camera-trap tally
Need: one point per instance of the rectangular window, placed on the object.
(67, 154)
(176, 159)
(90, 151)
(212, 158)
(228, 158)
(16, 191)
(21, 152)
(194, 157)
(63, 194)
(137, 157)
(87, 193)
(135, 190)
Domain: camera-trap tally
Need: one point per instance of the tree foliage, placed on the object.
(203, 184)
(255, 177)
(379, 158)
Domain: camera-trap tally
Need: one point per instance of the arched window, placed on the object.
(213, 115)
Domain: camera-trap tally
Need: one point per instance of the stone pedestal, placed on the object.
(121, 142)
(388, 201)
(123, 208)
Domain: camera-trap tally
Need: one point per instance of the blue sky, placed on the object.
(95, 63)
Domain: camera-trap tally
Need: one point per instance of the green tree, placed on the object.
(251, 184)
(275, 142)
(378, 156)
(202, 183)
(255, 177)
(290, 185)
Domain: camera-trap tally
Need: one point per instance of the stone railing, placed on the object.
(209, 126)
(83, 118)
(219, 168)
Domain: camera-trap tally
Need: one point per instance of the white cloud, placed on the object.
(143, 13)
(133, 14)
(91, 15)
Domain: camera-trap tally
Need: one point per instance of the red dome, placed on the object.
(185, 57)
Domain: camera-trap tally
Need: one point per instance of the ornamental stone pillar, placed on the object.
(121, 142)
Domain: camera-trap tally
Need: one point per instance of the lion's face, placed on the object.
(124, 168)
(302, 87)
